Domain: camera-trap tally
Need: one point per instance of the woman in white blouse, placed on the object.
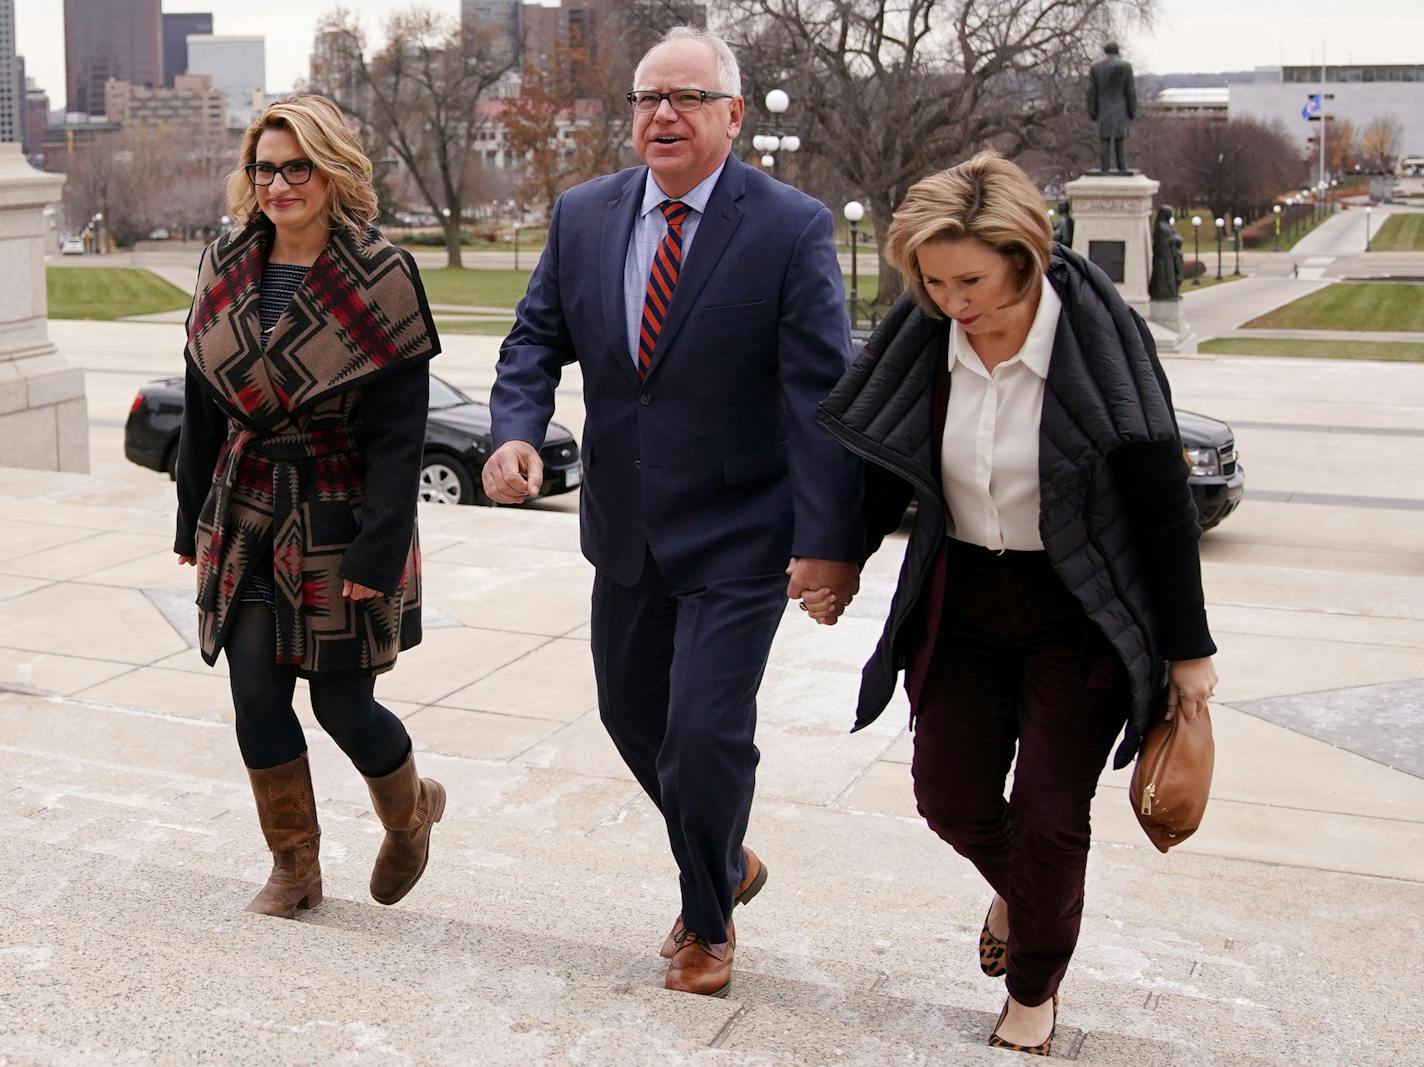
(1051, 588)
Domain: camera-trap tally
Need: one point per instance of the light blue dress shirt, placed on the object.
(649, 229)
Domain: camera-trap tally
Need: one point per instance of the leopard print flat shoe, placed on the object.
(1045, 1049)
(992, 951)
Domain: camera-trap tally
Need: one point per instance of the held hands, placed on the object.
(514, 473)
(825, 587)
(1190, 684)
(189, 561)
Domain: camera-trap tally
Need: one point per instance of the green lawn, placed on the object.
(473, 287)
(1393, 351)
(1350, 306)
(1209, 279)
(109, 293)
(1400, 233)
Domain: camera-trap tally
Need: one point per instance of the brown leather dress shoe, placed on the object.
(748, 887)
(698, 966)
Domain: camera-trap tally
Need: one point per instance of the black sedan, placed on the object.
(1217, 479)
(457, 442)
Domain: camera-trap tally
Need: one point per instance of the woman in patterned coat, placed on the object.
(307, 388)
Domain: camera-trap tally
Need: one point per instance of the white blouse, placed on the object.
(989, 454)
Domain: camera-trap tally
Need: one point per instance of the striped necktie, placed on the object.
(667, 262)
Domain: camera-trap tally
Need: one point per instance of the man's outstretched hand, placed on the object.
(514, 473)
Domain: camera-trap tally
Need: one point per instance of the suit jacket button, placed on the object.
(645, 399)
(637, 464)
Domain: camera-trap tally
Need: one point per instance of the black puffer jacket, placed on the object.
(1116, 514)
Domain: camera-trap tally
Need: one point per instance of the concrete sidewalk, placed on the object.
(1287, 932)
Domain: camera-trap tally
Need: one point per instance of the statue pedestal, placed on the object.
(44, 420)
(1169, 326)
(1113, 228)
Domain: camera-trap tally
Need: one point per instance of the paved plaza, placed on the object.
(1289, 931)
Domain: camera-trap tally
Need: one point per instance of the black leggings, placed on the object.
(268, 732)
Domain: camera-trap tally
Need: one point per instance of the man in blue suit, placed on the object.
(705, 306)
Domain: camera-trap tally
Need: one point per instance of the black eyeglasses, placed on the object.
(645, 100)
(293, 172)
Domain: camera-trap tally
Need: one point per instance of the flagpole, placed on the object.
(1323, 115)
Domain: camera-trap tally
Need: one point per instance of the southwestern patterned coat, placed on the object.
(309, 449)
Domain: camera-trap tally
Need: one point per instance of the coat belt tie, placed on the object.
(291, 456)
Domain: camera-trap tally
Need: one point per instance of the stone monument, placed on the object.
(1112, 208)
(44, 421)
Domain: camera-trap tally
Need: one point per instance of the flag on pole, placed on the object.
(1312, 106)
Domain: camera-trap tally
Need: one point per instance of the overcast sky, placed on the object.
(1188, 35)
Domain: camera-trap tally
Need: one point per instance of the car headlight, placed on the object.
(1205, 462)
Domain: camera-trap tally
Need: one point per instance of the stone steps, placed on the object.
(132, 846)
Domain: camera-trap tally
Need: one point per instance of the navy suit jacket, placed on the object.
(714, 462)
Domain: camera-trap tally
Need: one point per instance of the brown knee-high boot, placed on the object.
(286, 808)
(408, 807)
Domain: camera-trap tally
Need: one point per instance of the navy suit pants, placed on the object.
(678, 673)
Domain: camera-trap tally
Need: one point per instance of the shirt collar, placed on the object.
(696, 198)
(1037, 350)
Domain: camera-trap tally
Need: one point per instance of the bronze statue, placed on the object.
(1063, 226)
(1112, 101)
(1167, 263)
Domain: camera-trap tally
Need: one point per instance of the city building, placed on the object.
(12, 78)
(238, 67)
(335, 75)
(104, 39)
(1192, 103)
(1358, 94)
(498, 22)
(176, 30)
(192, 107)
(36, 118)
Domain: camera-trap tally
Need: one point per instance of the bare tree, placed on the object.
(419, 96)
(1230, 168)
(569, 123)
(892, 90)
(1379, 145)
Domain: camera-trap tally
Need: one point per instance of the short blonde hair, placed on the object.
(987, 198)
(321, 130)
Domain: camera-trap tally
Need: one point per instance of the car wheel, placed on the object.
(170, 462)
(444, 480)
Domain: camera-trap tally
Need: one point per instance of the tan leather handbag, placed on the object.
(1172, 778)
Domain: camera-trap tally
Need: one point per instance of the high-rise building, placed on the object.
(336, 74)
(237, 65)
(105, 39)
(36, 118)
(12, 78)
(500, 23)
(176, 28)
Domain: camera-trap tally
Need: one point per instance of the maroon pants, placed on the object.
(1017, 662)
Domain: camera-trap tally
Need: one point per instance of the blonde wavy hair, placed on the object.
(987, 198)
(333, 147)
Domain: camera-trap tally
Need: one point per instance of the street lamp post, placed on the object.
(1220, 227)
(1196, 248)
(854, 211)
(1276, 210)
(1368, 209)
(1236, 240)
(516, 244)
(774, 140)
(98, 222)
